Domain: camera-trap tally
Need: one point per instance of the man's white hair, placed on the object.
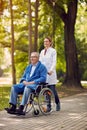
(35, 53)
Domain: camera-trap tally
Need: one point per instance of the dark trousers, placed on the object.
(52, 87)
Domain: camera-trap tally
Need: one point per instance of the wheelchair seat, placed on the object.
(40, 87)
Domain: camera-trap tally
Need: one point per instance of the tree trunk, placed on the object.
(33, 26)
(12, 46)
(72, 68)
(36, 25)
(1, 7)
(30, 29)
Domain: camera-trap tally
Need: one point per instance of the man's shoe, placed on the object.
(58, 107)
(20, 110)
(6, 108)
(11, 110)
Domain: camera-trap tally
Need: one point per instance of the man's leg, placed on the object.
(13, 98)
(25, 96)
(15, 90)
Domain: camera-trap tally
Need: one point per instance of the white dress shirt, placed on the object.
(32, 70)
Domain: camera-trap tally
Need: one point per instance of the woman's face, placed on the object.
(47, 43)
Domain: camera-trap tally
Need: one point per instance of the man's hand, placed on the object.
(27, 83)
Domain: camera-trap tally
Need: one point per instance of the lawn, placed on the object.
(4, 96)
(66, 91)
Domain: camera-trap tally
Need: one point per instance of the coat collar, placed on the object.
(37, 67)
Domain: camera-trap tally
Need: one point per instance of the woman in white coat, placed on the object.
(48, 58)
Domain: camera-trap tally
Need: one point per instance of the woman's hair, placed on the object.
(50, 40)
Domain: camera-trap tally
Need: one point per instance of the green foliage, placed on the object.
(1, 55)
(81, 39)
(20, 20)
(4, 96)
(47, 15)
(21, 61)
(47, 19)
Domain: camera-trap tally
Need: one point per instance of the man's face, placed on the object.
(34, 58)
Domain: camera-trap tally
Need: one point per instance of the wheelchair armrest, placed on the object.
(20, 93)
(41, 86)
(43, 83)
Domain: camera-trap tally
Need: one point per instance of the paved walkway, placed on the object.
(73, 116)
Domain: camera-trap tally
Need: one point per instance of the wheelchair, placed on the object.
(40, 100)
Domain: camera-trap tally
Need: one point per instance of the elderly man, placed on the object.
(34, 74)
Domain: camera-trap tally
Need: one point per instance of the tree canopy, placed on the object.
(64, 21)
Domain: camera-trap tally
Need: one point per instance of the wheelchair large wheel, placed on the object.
(46, 101)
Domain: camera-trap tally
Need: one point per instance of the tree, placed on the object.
(33, 25)
(36, 26)
(68, 15)
(1, 7)
(81, 38)
(12, 45)
(30, 27)
(65, 11)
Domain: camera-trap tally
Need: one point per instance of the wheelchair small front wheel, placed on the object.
(46, 101)
(36, 112)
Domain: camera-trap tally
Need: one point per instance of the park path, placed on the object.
(73, 116)
(5, 81)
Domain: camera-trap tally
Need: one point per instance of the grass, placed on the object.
(65, 91)
(4, 96)
(62, 92)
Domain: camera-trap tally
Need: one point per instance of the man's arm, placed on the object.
(28, 83)
(43, 75)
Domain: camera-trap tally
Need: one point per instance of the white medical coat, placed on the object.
(49, 60)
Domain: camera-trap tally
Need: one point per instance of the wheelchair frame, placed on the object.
(41, 100)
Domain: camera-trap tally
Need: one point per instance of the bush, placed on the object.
(84, 77)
